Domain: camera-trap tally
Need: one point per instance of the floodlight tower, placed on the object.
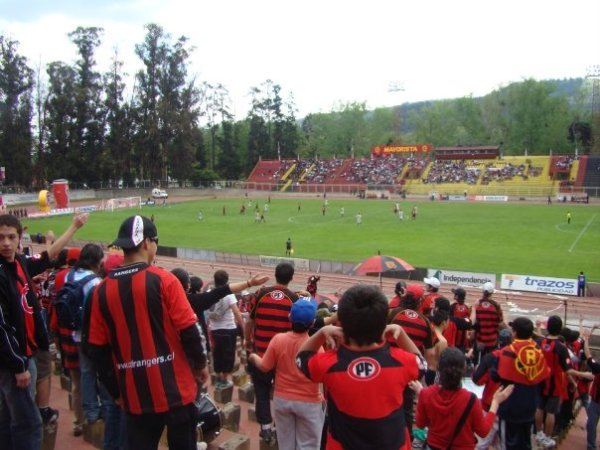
(593, 73)
(396, 86)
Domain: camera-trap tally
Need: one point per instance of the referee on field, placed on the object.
(143, 335)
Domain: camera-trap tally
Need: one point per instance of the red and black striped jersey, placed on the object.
(138, 311)
(557, 358)
(270, 311)
(416, 326)
(428, 302)
(373, 419)
(488, 316)
(461, 311)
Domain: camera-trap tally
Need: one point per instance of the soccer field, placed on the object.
(518, 238)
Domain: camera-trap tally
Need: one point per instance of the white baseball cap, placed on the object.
(489, 287)
(433, 282)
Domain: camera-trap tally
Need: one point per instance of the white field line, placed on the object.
(582, 232)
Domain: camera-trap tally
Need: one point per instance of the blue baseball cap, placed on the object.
(303, 312)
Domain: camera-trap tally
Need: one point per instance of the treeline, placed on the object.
(71, 121)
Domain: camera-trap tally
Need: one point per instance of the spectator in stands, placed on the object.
(271, 306)
(297, 402)
(225, 323)
(23, 332)
(432, 286)
(419, 330)
(364, 362)
(399, 291)
(593, 406)
(461, 311)
(439, 406)
(483, 376)
(555, 386)
(202, 301)
(516, 415)
(487, 318)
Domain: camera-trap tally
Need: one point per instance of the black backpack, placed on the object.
(69, 301)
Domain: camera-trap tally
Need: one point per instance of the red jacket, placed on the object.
(440, 410)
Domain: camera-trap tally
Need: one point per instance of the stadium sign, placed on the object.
(474, 279)
(533, 283)
(272, 261)
(491, 198)
(381, 150)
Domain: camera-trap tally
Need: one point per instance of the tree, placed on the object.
(16, 113)
(89, 111)
(166, 108)
(115, 161)
(60, 122)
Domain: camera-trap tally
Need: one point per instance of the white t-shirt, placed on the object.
(220, 315)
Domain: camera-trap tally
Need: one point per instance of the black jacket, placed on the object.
(13, 339)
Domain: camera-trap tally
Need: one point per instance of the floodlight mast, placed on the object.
(593, 73)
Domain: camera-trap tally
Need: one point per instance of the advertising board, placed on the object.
(533, 283)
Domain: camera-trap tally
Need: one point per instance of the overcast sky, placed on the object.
(329, 51)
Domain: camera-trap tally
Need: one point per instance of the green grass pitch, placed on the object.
(521, 238)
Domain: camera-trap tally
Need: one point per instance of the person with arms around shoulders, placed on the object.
(297, 402)
(143, 335)
(555, 386)
(439, 406)
(361, 360)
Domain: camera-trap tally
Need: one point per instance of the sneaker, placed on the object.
(417, 444)
(548, 442)
(269, 435)
(77, 430)
(49, 415)
(201, 445)
(540, 436)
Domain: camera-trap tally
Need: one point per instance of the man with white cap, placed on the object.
(487, 318)
(432, 286)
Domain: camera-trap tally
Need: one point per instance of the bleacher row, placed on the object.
(418, 173)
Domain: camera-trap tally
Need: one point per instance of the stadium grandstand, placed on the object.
(424, 170)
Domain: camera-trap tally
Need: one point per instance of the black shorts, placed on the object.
(550, 404)
(223, 350)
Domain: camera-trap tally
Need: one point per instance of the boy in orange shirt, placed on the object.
(297, 401)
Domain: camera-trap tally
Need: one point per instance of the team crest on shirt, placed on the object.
(529, 362)
(363, 369)
(277, 295)
(486, 304)
(410, 314)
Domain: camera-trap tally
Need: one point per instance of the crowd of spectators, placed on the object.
(382, 170)
(507, 172)
(446, 171)
(563, 163)
(323, 170)
(386, 170)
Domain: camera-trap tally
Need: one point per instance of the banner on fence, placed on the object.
(474, 279)
(533, 283)
(272, 261)
(491, 198)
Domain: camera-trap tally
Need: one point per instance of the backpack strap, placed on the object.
(462, 419)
